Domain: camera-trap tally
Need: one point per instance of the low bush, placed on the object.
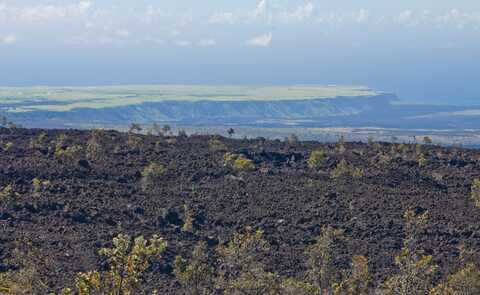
(316, 160)
(343, 169)
(239, 163)
(152, 173)
(127, 261)
(475, 192)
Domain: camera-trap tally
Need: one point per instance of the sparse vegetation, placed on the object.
(195, 275)
(95, 145)
(70, 151)
(316, 160)
(39, 185)
(356, 280)
(416, 270)
(475, 192)
(188, 222)
(321, 258)
(320, 236)
(216, 144)
(152, 173)
(8, 193)
(39, 141)
(343, 169)
(239, 163)
(127, 261)
(422, 160)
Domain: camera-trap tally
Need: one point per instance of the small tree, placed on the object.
(356, 280)
(230, 132)
(464, 282)
(416, 270)
(188, 223)
(195, 275)
(127, 262)
(95, 144)
(321, 259)
(243, 273)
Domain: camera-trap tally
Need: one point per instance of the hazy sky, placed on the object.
(424, 50)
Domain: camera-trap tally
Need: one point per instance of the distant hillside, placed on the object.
(213, 106)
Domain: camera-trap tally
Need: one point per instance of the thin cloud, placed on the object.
(222, 18)
(261, 41)
(260, 10)
(207, 43)
(9, 39)
(361, 16)
(43, 13)
(183, 43)
(122, 33)
(300, 13)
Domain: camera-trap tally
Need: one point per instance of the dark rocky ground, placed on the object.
(90, 201)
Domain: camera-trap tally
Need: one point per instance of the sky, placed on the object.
(425, 51)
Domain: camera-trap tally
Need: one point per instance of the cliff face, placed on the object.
(214, 112)
(365, 111)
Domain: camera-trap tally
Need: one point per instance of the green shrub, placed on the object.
(152, 173)
(216, 144)
(244, 273)
(475, 192)
(127, 262)
(316, 159)
(195, 275)
(8, 193)
(415, 270)
(356, 281)
(70, 152)
(95, 145)
(343, 169)
(291, 286)
(242, 164)
(39, 141)
(422, 160)
(29, 270)
(464, 282)
(238, 163)
(321, 258)
(40, 184)
(188, 222)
